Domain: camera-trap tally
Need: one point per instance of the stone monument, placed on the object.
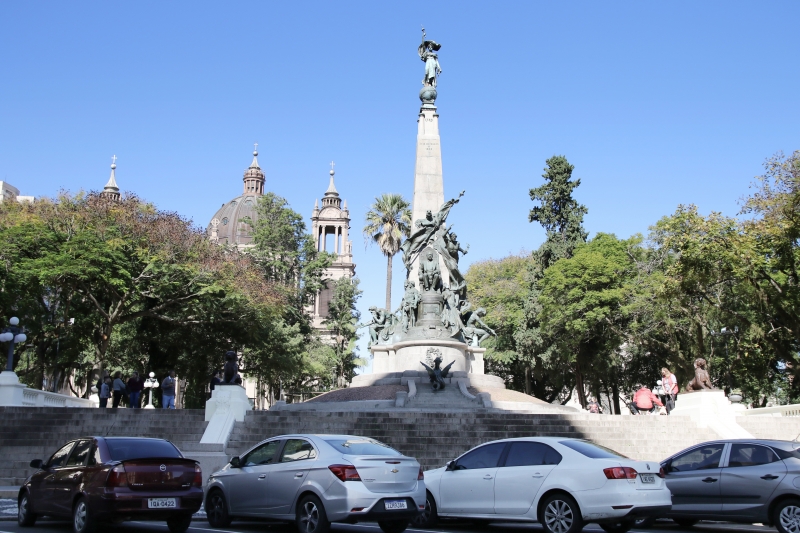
(434, 313)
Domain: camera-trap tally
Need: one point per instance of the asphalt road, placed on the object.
(201, 526)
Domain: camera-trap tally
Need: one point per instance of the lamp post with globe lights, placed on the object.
(13, 334)
(150, 384)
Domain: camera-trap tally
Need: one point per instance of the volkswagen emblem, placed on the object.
(163, 468)
(394, 470)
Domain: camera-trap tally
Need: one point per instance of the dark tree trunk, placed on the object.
(389, 283)
(615, 392)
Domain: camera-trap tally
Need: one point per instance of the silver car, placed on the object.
(314, 480)
(749, 481)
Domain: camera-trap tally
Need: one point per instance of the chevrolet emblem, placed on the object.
(394, 470)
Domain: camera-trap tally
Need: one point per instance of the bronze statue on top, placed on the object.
(701, 381)
(231, 371)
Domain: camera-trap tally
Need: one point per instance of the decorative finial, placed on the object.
(255, 149)
(114, 161)
(332, 172)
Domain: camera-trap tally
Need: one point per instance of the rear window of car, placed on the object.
(126, 449)
(361, 447)
(590, 450)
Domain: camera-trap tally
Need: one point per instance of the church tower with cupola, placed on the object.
(111, 190)
(330, 226)
(227, 226)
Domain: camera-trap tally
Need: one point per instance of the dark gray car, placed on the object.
(749, 481)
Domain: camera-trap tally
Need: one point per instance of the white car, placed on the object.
(314, 480)
(561, 483)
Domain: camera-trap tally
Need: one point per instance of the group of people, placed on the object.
(117, 390)
(645, 400)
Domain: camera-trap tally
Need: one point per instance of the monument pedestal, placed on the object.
(10, 389)
(406, 355)
(713, 410)
(228, 404)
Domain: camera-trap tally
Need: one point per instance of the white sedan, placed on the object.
(562, 483)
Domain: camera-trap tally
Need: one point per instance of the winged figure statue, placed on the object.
(437, 374)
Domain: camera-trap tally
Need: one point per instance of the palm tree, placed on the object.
(388, 221)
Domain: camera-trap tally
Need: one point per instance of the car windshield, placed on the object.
(361, 447)
(590, 450)
(127, 449)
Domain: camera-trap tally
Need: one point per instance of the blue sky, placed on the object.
(655, 103)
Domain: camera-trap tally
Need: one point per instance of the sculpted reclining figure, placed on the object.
(701, 381)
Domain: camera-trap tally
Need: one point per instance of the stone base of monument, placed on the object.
(713, 410)
(228, 404)
(406, 355)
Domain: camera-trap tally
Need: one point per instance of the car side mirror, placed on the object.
(235, 462)
(37, 464)
(451, 466)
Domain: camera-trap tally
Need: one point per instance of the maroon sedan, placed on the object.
(113, 479)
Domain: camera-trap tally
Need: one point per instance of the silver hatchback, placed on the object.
(314, 480)
(749, 481)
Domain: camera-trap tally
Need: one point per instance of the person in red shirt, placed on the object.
(644, 399)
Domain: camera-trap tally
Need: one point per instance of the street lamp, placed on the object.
(150, 384)
(13, 334)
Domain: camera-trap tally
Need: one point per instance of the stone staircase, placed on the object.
(450, 398)
(435, 438)
(36, 432)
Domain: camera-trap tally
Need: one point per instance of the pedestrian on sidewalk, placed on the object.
(118, 389)
(670, 385)
(135, 388)
(105, 392)
(168, 391)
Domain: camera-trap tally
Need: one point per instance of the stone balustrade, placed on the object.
(778, 410)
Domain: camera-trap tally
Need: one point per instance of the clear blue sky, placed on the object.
(655, 103)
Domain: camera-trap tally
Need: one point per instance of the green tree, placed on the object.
(387, 222)
(341, 322)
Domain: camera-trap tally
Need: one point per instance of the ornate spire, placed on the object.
(111, 190)
(332, 188)
(254, 176)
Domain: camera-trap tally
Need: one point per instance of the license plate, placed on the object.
(391, 505)
(648, 478)
(162, 503)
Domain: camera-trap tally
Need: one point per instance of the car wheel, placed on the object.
(787, 516)
(429, 516)
(619, 527)
(25, 517)
(685, 522)
(644, 523)
(179, 523)
(393, 526)
(82, 520)
(560, 514)
(217, 509)
(311, 517)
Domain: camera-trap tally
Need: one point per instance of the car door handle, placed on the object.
(487, 476)
(262, 476)
(709, 480)
(537, 474)
(299, 474)
(769, 477)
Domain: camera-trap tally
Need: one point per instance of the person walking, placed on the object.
(118, 389)
(135, 388)
(105, 392)
(670, 385)
(168, 391)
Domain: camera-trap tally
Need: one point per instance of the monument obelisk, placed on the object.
(428, 182)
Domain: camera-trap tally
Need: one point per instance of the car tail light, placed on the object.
(661, 472)
(198, 477)
(117, 477)
(345, 472)
(620, 472)
(421, 475)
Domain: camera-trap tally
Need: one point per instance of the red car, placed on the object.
(113, 479)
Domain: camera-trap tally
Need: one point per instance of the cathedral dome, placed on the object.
(227, 225)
